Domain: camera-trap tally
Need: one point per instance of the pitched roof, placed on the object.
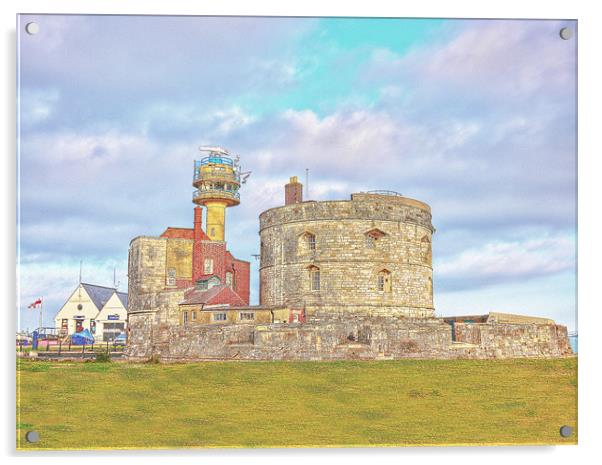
(99, 294)
(216, 295)
(124, 298)
(182, 233)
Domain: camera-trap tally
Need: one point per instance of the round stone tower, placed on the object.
(371, 255)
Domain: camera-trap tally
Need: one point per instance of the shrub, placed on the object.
(103, 357)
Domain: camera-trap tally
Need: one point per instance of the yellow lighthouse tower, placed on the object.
(217, 178)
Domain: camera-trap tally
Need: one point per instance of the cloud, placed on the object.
(497, 60)
(479, 122)
(500, 262)
(110, 68)
(36, 105)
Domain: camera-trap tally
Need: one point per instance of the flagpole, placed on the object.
(41, 305)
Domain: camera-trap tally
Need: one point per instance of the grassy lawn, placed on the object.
(283, 404)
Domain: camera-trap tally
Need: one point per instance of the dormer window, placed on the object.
(373, 236)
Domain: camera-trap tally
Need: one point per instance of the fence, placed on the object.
(53, 349)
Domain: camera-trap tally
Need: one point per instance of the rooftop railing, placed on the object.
(381, 192)
(219, 160)
(209, 193)
(216, 174)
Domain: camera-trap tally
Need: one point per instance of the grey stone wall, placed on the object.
(337, 336)
(349, 264)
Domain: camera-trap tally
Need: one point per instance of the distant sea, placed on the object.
(573, 342)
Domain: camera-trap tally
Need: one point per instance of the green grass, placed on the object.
(284, 404)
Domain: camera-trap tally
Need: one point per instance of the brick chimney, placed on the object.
(293, 191)
(198, 224)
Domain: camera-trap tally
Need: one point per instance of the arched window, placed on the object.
(314, 278)
(384, 281)
(426, 255)
(307, 243)
(229, 279)
(311, 241)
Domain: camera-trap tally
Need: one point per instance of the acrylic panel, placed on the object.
(295, 232)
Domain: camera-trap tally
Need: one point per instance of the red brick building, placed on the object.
(210, 258)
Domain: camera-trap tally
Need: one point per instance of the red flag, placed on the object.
(35, 304)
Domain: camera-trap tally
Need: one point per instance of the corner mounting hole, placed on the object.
(32, 28)
(32, 436)
(566, 431)
(566, 33)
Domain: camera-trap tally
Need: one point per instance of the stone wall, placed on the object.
(338, 336)
(494, 340)
(348, 260)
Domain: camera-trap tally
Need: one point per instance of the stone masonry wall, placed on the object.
(337, 336)
(497, 339)
(348, 261)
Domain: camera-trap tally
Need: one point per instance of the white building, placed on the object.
(102, 310)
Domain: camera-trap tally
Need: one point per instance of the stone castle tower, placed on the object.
(369, 255)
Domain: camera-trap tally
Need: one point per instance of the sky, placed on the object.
(477, 118)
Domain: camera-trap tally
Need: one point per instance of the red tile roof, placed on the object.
(220, 294)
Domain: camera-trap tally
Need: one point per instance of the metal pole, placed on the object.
(41, 306)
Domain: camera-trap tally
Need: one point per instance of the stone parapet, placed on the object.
(329, 336)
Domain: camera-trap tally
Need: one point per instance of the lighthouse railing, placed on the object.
(208, 193)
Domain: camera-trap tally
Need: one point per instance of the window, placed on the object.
(311, 241)
(208, 266)
(219, 317)
(171, 276)
(306, 243)
(110, 331)
(314, 278)
(384, 281)
(372, 236)
(228, 279)
(245, 316)
(193, 315)
(185, 318)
